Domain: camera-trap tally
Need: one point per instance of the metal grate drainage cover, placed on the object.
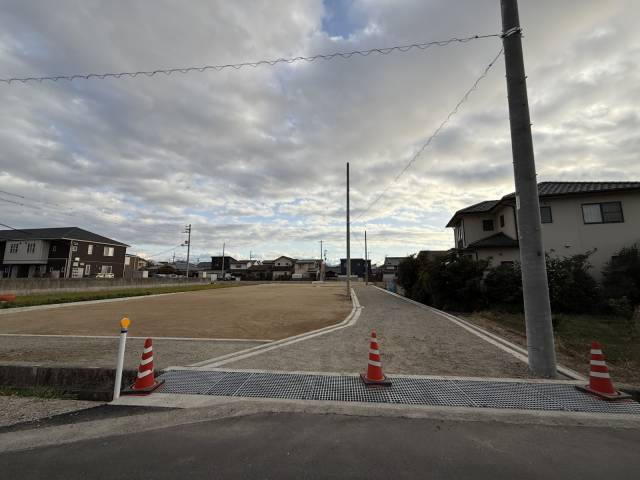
(405, 390)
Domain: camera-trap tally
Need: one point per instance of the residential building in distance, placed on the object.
(357, 266)
(307, 269)
(390, 268)
(283, 268)
(68, 252)
(577, 217)
(134, 266)
(216, 263)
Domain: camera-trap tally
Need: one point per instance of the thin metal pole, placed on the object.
(348, 239)
(124, 325)
(535, 289)
(366, 261)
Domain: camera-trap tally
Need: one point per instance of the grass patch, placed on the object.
(66, 297)
(38, 392)
(574, 334)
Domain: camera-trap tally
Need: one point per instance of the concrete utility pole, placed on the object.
(366, 261)
(535, 289)
(188, 242)
(320, 273)
(222, 261)
(348, 240)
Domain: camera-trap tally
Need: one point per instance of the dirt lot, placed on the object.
(269, 311)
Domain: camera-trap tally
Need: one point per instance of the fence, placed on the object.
(27, 286)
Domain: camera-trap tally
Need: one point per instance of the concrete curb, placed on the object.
(222, 407)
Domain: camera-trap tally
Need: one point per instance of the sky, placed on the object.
(255, 157)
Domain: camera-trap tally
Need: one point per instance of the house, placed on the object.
(576, 217)
(357, 266)
(217, 263)
(390, 268)
(68, 252)
(134, 266)
(307, 268)
(282, 268)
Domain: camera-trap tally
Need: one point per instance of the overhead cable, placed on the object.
(238, 66)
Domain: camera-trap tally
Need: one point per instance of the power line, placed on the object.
(238, 66)
(165, 251)
(464, 98)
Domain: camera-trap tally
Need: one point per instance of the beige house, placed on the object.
(307, 268)
(577, 217)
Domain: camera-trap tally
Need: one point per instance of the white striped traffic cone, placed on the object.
(599, 379)
(145, 382)
(374, 375)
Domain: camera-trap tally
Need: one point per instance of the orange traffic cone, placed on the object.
(145, 382)
(374, 375)
(599, 380)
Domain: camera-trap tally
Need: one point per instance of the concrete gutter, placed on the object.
(86, 383)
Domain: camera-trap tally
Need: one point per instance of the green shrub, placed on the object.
(571, 288)
(503, 287)
(621, 276)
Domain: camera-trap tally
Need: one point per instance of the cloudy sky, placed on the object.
(256, 157)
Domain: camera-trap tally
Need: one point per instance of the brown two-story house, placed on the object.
(68, 252)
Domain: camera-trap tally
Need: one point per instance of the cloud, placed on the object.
(256, 157)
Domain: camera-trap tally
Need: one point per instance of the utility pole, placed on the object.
(348, 240)
(187, 230)
(366, 261)
(535, 289)
(320, 274)
(222, 260)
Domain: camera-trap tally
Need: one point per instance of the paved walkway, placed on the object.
(413, 341)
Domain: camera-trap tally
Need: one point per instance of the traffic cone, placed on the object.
(145, 382)
(600, 383)
(374, 375)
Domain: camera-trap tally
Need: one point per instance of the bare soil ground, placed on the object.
(269, 311)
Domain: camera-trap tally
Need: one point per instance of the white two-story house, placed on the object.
(576, 217)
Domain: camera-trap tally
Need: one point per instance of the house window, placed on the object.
(127, 260)
(501, 221)
(53, 248)
(487, 225)
(90, 250)
(31, 247)
(606, 212)
(545, 215)
(108, 251)
(13, 248)
(87, 269)
(106, 269)
(74, 248)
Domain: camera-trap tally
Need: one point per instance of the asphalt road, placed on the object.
(309, 446)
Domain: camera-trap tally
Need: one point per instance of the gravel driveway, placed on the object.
(413, 341)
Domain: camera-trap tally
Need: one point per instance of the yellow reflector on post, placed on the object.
(125, 322)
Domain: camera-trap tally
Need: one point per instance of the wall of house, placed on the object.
(80, 258)
(23, 256)
(27, 286)
(498, 255)
(473, 230)
(569, 235)
(509, 228)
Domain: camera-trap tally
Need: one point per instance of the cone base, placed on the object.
(617, 396)
(385, 382)
(142, 391)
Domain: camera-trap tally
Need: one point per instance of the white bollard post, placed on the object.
(124, 325)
